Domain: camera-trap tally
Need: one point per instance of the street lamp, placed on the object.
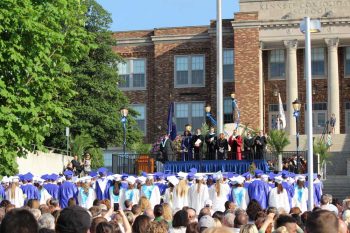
(307, 27)
(296, 114)
(209, 116)
(233, 98)
(124, 112)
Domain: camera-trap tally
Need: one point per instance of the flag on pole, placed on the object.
(171, 130)
(282, 116)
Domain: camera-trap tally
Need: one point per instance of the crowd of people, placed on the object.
(234, 147)
(177, 203)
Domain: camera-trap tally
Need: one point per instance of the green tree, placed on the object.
(277, 140)
(38, 42)
(95, 108)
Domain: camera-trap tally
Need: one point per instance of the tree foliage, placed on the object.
(95, 109)
(277, 140)
(39, 40)
(320, 147)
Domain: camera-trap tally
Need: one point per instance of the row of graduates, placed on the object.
(218, 145)
(193, 189)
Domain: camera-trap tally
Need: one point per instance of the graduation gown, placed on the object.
(178, 201)
(260, 143)
(17, 199)
(66, 191)
(44, 196)
(300, 198)
(52, 189)
(259, 190)
(162, 187)
(248, 148)
(132, 195)
(151, 192)
(241, 197)
(290, 191)
(114, 198)
(236, 146)
(317, 192)
(30, 191)
(279, 200)
(197, 148)
(102, 188)
(2, 193)
(222, 148)
(197, 199)
(186, 148)
(168, 197)
(210, 140)
(218, 200)
(86, 200)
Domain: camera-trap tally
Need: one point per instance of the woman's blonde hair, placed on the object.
(182, 188)
(144, 203)
(167, 212)
(199, 184)
(14, 185)
(249, 228)
(218, 187)
(218, 230)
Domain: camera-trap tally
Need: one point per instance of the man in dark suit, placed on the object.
(260, 144)
(197, 144)
(210, 140)
(168, 149)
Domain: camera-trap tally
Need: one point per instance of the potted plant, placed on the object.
(277, 140)
(322, 149)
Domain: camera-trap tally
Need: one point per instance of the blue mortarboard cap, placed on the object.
(225, 175)
(144, 174)
(54, 177)
(124, 176)
(28, 177)
(193, 170)
(247, 175)
(231, 174)
(109, 173)
(272, 175)
(45, 177)
(291, 174)
(102, 170)
(258, 172)
(285, 174)
(158, 175)
(190, 176)
(210, 177)
(93, 173)
(68, 173)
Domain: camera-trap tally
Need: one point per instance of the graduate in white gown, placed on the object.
(14, 193)
(180, 194)
(43, 193)
(218, 193)
(278, 196)
(131, 193)
(151, 191)
(169, 192)
(198, 194)
(300, 194)
(115, 190)
(86, 194)
(239, 192)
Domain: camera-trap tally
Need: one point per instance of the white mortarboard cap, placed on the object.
(117, 177)
(87, 179)
(182, 175)
(5, 179)
(131, 180)
(278, 179)
(218, 175)
(150, 176)
(233, 179)
(240, 179)
(14, 179)
(173, 180)
(208, 202)
(199, 176)
(141, 179)
(301, 178)
(265, 177)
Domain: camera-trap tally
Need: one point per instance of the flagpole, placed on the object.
(219, 71)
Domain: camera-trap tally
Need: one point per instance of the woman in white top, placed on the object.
(278, 196)
(300, 195)
(198, 194)
(86, 194)
(15, 194)
(218, 193)
(180, 195)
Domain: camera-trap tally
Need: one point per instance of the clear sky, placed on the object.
(149, 14)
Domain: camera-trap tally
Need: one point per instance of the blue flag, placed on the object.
(171, 130)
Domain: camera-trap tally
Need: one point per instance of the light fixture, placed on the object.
(188, 127)
(296, 105)
(124, 112)
(207, 108)
(315, 26)
(275, 92)
(233, 95)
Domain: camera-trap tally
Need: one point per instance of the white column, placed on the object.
(333, 81)
(261, 88)
(291, 83)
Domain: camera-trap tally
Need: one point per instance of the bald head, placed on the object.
(343, 228)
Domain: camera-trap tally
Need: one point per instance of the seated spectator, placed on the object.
(322, 221)
(288, 222)
(193, 228)
(252, 209)
(191, 215)
(44, 209)
(343, 228)
(141, 224)
(136, 210)
(158, 227)
(326, 201)
(73, 219)
(167, 213)
(203, 212)
(33, 204)
(18, 221)
(206, 222)
(241, 219)
(46, 221)
(128, 204)
(95, 211)
(95, 222)
(144, 204)
(249, 228)
(180, 222)
(219, 215)
(130, 216)
(229, 220)
(346, 217)
(158, 213)
(229, 205)
(36, 213)
(149, 212)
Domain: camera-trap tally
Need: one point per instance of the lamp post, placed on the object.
(307, 27)
(124, 112)
(233, 98)
(296, 114)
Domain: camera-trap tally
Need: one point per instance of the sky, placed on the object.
(149, 14)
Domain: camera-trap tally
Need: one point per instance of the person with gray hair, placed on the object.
(326, 203)
(46, 221)
(229, 220)
(36, 213)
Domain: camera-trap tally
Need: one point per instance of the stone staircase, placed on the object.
(338, 186)
(341, 142)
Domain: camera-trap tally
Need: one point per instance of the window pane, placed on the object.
(321, 119)
(318, 62)
(124, 81)
(228, 73)
(347, 61)
(198, 110)
(197, 122)
(139, 66)
(141, 110)
(348, 121)
(181, 110)
(228, 56)
(123, 68)
(181, 77)
(277, 63)
(180, 124)
(139, 80)
(198, 70)
(182, 63)
(227, 105)
(197, 62)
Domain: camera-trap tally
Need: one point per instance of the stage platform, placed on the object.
(209, 166)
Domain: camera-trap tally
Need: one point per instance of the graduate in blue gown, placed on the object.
(259, 190)
(102, 184)
(2, 193)
(248, 179)
(160, 182)
(67, 189)
(29, 190)
(51, 187)
(288, 187)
